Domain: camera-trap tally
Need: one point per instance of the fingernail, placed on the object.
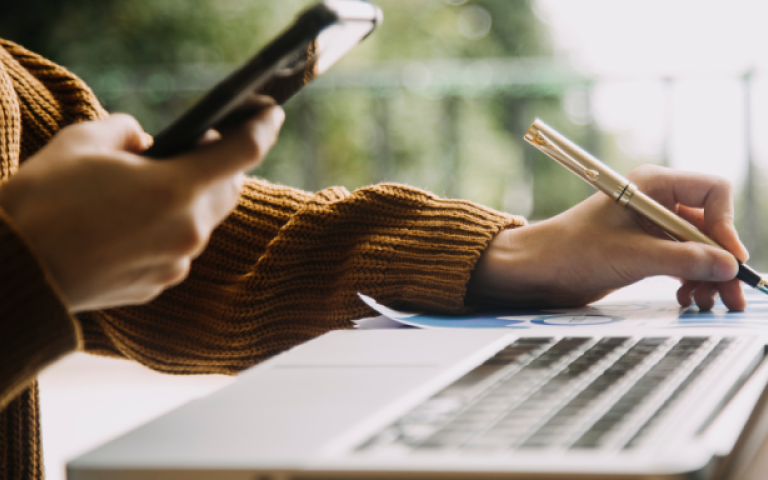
(147, 140)
(725, 269)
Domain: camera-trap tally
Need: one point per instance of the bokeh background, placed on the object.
(441, 95)
(439, 98)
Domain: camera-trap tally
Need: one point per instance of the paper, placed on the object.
(650, 303)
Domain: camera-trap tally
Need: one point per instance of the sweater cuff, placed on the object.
(35, 325)
(434, 260)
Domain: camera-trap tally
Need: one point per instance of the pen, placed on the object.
(626, 194)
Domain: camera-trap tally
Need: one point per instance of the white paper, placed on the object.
(650, 303)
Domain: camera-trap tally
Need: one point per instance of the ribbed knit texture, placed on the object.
(35, 328)
(283, 268)
(37, 99)
(21, 454)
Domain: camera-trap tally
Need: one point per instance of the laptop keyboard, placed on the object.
(569, 393)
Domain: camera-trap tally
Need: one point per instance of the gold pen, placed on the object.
(625, 193)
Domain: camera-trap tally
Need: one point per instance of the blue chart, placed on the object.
(657, 314)
(570, 320)
(519, 319)
(755, 316)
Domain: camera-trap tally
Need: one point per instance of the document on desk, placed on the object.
(650, 303)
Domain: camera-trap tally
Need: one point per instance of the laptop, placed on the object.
(463, 404)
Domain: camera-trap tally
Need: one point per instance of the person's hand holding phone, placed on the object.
(117, 228)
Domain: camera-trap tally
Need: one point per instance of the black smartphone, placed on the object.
(318, 38)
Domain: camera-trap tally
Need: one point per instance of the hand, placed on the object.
(596, 247)
(115, 228)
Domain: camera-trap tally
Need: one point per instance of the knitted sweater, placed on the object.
(283, 268)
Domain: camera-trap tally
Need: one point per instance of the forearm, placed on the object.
(286, 266)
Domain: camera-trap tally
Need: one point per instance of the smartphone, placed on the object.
(318, 38)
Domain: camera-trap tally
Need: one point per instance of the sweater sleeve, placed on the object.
(286, 266)
(35, 325)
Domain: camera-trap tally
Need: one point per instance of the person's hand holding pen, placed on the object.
(594, 248)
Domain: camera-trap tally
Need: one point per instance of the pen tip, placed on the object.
(763, 287)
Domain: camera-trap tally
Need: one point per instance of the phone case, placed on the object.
(271, 72)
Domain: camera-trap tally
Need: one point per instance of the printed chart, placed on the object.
(658, 309)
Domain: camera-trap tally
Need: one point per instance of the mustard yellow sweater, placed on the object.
(282, 269)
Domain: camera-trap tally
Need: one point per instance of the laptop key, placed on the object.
(647, 427)
(643, 388)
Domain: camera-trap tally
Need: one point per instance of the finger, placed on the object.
(686, 260)
(189, 233)
(219, 200)
(735, 296)
(117, 132)
(209, 136)
(694, 216)
(172, 273)
(670, 187)
(732, 295)
(711, 193)
(247, 109)
(239, 151)
(705, 295)
(685, 293)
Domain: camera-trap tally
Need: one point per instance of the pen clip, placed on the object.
(543, 143)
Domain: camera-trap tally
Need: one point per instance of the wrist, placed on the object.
(17, 206)
(531, 266)
(510, 268)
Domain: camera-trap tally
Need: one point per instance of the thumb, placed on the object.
(689, 261)
(119, 131)
(240, 150)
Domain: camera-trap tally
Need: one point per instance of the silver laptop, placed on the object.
(461, 404)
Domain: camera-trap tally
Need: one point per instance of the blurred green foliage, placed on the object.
(152, 58)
